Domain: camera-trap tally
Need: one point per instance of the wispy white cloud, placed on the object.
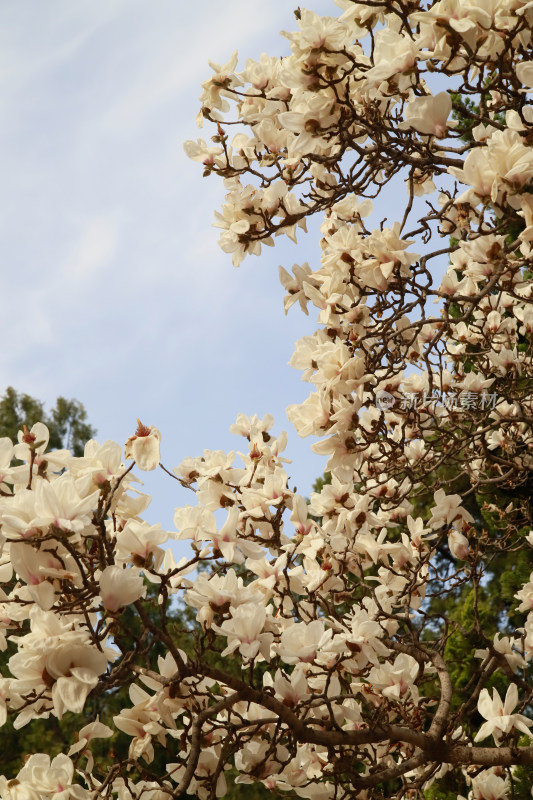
(115, 291)
(36, 39)
(93, 252)
(175, 66)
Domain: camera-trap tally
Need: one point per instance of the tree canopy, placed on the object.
(66, 421)
(376, 639)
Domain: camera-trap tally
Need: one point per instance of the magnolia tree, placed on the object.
(340, 613)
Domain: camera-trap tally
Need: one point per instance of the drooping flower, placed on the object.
(94, 730)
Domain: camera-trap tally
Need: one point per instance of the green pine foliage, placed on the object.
(66, 421)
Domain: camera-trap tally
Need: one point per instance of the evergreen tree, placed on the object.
(66, 421)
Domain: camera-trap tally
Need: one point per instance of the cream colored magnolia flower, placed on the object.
(52, 779)
(57, 660)
(94, 730)
(303, 642)
(205, 768)
(139, 542)
(120, 587)
(290, 689)
(244, 631)
(215, 595)
(429, 115)
(498, 714)
(142, 723)
(36, 441)
(143, 447)
(6, 456)
(506, 647)
(524, 73)
(489, 786)
(447, 509)
(396, 680)
(459, 545)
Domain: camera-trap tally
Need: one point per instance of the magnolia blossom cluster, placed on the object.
(317, 652)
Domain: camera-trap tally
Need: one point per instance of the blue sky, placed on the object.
(114, 289)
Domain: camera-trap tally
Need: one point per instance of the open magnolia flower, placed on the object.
(119, 587)
(429, 115)
(498, 714)
(42, 777)
(143, 447)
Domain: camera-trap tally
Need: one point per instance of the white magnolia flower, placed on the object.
(143, 447)
(120, 587)
(524, 73)
(489, 786)
(396, 680)
(507, 648)
(244, 631)
(34, 443)
(206, 766)
(215, 595)
(58, 660)
(429, 115)
(52, 779)
(448, 509)
(498, 714)
(459, 545)
(94, 730)
(290, 690)
(142, 722)
(138, 542)
(302, 641)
